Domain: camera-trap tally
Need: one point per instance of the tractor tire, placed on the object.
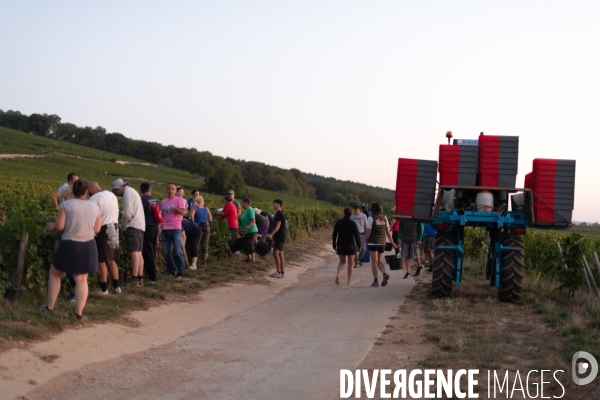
(511, 285)
(443, 264)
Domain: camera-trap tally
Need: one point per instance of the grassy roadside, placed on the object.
(473, 330)
(22, 322)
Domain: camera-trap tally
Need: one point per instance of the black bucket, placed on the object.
(262, 249)
(388, 258)
(395, 263)
(236, 245)
(121, 275)
(13, 293)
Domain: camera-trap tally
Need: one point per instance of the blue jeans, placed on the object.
(173, 238)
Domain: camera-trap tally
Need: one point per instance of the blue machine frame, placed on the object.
(493, 220)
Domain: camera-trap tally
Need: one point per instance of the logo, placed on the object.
(584, 363)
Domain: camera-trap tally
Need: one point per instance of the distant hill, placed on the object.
(218, 174)
(55, 159)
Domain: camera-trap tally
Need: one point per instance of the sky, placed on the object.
(336, 88)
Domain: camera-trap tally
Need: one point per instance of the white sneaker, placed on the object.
(275, 274)
(117, 290)
(104, 293)
(193, 267)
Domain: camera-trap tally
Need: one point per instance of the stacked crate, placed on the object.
(458, 165)
(553, 185)
(498, 160)
(415, 187)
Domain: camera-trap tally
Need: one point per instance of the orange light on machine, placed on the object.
(449, 136)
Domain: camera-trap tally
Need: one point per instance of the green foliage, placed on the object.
(474, 242)
(541, 254)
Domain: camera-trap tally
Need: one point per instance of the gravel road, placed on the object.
(291, 346)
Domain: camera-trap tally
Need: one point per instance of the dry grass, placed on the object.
(472, 329)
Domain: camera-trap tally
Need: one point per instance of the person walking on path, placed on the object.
(79, 220)
(201, 215)
(378, 228)
(360, 220)
(278, 235)
(230, 213)
(429, 245)
(365, 210)
(346, 241)
(56, 197)
(134, 225)
(251, 230)
(173, 209)
(411, 233)
(190, 236)
(107, 240)
(151, 231)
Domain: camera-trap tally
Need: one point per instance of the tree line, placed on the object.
(219, 174)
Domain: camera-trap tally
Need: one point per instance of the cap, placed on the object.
(144, 187)
(365, 205)
(231, 192)
(118, 184)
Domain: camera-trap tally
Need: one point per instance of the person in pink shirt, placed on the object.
(173, 209)
(230, 213)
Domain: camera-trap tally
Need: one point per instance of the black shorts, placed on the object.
(346, 250)
(376, 247)
(106, 252)
(134, 240)
(278, 245)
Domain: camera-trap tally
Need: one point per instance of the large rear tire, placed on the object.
(443, 264)
(511, 285)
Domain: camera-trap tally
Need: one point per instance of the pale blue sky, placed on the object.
(337, 88)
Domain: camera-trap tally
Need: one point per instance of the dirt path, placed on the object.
(21, 370)
(284, 344)
(22, 155)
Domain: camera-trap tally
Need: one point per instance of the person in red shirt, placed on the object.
(230, 213)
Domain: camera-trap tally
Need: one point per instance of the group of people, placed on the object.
(358, 232)
(254, 225)
(89, 233)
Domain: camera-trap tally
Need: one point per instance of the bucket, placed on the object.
(484, 201)
(121, 275)
(13, 293)
(262, 249)
(236, 245)
(395, 263)
(388, 258)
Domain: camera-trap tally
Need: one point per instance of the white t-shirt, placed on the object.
(379, 222)
(133, 209)
(108, 205)
(60, 189)
(81, 219)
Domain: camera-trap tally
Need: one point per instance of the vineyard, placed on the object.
(542, 259)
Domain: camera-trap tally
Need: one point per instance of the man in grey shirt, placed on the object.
(360, 220)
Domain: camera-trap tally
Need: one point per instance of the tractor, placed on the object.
(477, 188)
